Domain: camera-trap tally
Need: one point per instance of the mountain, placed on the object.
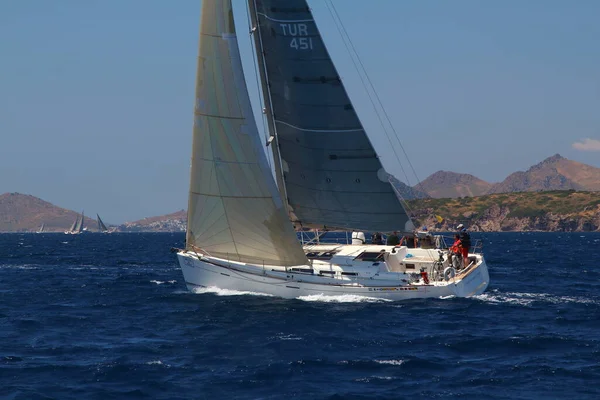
(554, 173)
(446, 184)
(174, 222)
(26, 213)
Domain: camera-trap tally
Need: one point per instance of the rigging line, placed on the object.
(257, 78)
(378, 99)
(345, 38)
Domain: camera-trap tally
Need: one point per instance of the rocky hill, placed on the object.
(527, 211)
(554, 173)
(26, 213)
(446, 184)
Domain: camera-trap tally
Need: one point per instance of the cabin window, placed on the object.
(318, 255)
(410, 266)
(327, 272)
(350, 273)
(302, 270)
(370, 256)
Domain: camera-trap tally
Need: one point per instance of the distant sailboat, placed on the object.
(101, 227)
(72, 228)
(41, 230)
(77, 226)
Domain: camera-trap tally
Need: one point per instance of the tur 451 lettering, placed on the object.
(296, 31)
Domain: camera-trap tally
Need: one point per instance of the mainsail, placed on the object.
(101, 226)
(333, 176)
(235, 211)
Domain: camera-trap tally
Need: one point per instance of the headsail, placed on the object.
(72, 228)
(235, 210)
(333, 176)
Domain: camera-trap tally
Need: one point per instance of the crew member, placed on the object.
(465, 242)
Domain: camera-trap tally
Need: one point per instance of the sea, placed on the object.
(98, 316)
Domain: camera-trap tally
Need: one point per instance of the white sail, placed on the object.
(235, 211)
(75, 223)
(79, 226)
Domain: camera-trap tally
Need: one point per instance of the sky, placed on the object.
(96, 96)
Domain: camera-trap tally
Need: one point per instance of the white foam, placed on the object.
(281, 336)
(155, 362)
(344, 298)
(526, 299)
(447, 297)
(227, 292)
(161, 282)
(390, 362)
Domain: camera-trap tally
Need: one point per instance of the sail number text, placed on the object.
(295, 31)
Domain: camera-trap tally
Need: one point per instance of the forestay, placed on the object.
(235, 211)
(333, 176)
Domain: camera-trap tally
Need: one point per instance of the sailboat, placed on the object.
(41, 230)
(72, 228)
(78, 226)
(243, 217)
(101, 227)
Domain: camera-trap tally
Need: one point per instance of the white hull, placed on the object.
(204, 272)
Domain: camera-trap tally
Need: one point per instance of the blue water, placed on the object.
(108, 317)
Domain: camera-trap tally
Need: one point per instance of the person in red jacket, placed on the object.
(465, 243)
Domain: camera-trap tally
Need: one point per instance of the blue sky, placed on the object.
(96, 96)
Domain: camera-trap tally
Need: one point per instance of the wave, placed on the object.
(343, 298)
(227, 292)
(390, 362)
(161, 282)
(526, 299)
(22, 266)
(282, 336)
(155, 362)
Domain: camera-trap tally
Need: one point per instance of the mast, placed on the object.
(268, 106)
